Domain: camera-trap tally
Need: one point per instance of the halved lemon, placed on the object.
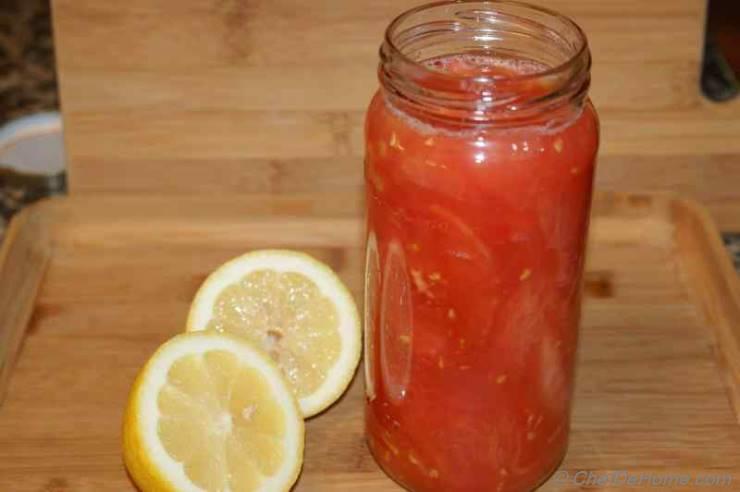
(296, 309)
(210, 412)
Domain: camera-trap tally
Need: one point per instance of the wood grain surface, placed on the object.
(219, 96)
(656, 374)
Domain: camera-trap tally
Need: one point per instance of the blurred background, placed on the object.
(257, 96)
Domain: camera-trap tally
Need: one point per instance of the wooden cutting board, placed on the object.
(245, 96)
(93, 285)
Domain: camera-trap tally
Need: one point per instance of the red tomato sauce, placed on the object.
(476, 242)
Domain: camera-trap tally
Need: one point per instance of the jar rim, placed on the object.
(573, 59)
(541, 32)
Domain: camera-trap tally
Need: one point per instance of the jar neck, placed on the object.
(525, 64)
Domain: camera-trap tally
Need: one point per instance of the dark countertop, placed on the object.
(732, 241)
(27, 70)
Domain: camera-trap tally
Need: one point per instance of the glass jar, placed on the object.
(481, 144)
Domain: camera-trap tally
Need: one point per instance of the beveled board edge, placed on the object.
(713, 285)
(24, 256)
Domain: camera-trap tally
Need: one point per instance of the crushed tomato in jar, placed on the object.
(479, 170)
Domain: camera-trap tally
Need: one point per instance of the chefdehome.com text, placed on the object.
(586, 478)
